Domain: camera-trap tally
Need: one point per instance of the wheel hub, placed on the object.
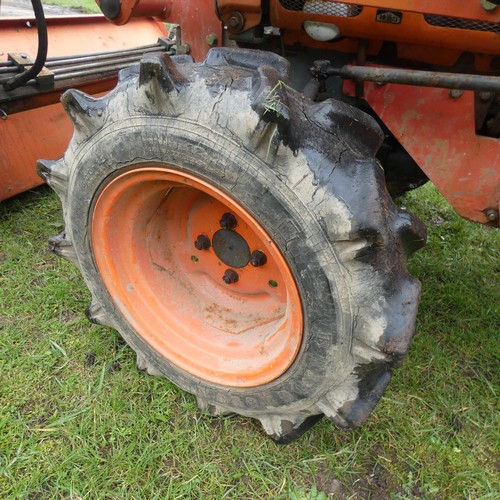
(231, 248)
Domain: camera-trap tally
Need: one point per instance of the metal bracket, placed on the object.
(23, 62)
(174, 40)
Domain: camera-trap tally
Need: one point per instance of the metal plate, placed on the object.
(231, 248)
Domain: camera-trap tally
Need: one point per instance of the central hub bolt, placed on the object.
(228, 221)
(202, 242)
(230, 277)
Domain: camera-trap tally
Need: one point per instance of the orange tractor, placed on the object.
(229, 201)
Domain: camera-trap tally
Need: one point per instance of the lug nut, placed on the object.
(202, 242)
(258, 258)
(228, 221)
(230, 277)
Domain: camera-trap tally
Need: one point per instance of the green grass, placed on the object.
(83, 6)
(78, 420)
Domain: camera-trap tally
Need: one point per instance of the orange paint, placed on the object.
(45, 132)
(413, 31)
(439, 133)
(144, 225)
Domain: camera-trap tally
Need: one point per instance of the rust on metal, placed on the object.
(201, 28)
(383, 75)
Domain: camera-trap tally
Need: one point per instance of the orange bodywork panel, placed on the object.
(46, 131)
(24, 138)
(438, 131)
(417, 27)
(465, 9)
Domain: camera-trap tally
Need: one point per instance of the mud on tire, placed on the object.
(300, 179)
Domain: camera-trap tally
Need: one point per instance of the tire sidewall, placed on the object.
(323, 360)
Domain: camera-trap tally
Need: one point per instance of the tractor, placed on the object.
(228, 179)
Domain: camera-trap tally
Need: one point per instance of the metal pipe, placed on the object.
(108, 72)
(104, 67)
(102, 57)
(75, 63)
(126, 61)
(418, 78)
(96, 71)
(111, 52)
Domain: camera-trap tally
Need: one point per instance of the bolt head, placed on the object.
(230, 277)
(485, 96)
(211, 39)
(456, 93)
(492, 214)
(184, 48)
(258, 258)
(235, 22)
(228, 221)
(202, 242)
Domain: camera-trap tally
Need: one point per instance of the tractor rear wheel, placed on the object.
(240, 238)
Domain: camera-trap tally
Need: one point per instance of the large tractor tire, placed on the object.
(240, 238)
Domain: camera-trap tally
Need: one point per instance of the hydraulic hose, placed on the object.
(41, 55)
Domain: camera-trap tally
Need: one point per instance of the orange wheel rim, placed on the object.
(166, 249)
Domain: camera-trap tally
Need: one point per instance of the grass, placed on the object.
(83, 6)
(78, 420)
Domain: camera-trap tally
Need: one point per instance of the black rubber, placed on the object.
(307, 172)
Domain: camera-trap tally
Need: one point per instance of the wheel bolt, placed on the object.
(202, 242)
(228, 221)
(258, 258)
(230, 277)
